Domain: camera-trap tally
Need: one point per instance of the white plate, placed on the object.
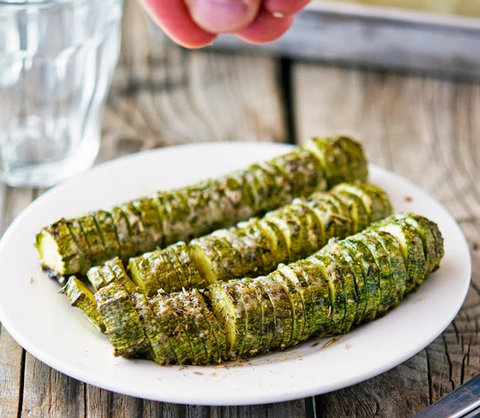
(42, 321)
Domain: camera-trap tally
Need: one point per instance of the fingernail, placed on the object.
(223, 15)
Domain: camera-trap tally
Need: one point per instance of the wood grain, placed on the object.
(11, 354)
(427, 130)
(164, 95)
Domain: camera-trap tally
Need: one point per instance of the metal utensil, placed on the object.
(462, 402)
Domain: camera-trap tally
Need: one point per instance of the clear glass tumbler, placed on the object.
(56, 63)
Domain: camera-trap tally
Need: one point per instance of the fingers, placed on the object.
(173, 17)
(195, 24)
(219, 16)
(266, 27)
(284, 7)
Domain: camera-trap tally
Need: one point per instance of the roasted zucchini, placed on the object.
(163, 218)
(346, 283)
(255, 247)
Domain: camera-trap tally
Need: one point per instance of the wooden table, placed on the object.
(424, 128)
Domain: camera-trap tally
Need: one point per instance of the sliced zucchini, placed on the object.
(327, 269)
(126, 245)
(147, 210)
(58, 249)
(282, 311)
(114, 271)
(167, 217)
(253, 338)
(387, 287)
(94, 239)
(358, 291)
(292, 287)
(82, 298)
(108, 232)
(317, 298)
(122, 324)
(412, 250)
(371, 273)
(230, 312)
(190, 312)
(269, 319)
(357, 214)
(161, 351)
(143, 273)
(170, 324)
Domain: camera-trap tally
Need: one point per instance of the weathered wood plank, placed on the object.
(11, 354)
(427, 130)
(164, 95)
(48, 393)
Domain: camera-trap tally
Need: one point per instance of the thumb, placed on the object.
(218, 16)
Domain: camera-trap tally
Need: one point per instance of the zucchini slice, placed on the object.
(219, 350)
(108, 232)
(139, 235)
(114, 271)
(316, 297)
(123, 326)
(230, 313)
(190, 311)
(253, 338)
(387, 287)
(82, 298)
(161, 351)
(142, 270)
(282, 311)
(338, 158)
(398, 272)
(371, 272)
(58, 249)
(430, 246)
(126, 245)
(412, 250)
(269, 320)
(340, 272)
(357, 213)
(96, 278)
(147, 210)
(94, 239)
(170, 324)
(325, 267)
(354, 280)
(295, 293)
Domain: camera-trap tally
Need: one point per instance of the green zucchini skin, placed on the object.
(123, 325)
(346, 283)
(161, 350)
(112, 271)
(180, 215)
(169, 321)
(82, 298)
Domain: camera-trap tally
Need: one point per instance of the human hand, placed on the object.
(196, 23)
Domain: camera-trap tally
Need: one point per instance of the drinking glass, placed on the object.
(56, 63)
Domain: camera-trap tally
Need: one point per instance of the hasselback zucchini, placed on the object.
(255, 247)
(72, 246)
(346, 283)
